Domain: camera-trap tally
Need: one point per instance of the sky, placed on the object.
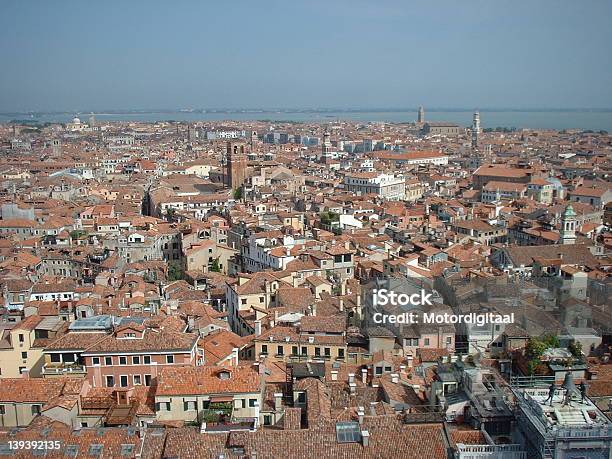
(83, 55)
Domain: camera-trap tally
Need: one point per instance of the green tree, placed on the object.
(327, 218)
(551, 341)
(214, 267)
(175, 272)
(575, 348)
(238, 193)
(77, 234)
(535, 348)
(170, 214)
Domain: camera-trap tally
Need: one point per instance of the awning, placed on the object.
(222, 398)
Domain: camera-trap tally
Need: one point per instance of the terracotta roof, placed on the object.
(208, 380)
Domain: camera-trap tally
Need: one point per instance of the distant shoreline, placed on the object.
(111, 112)
(544, 119)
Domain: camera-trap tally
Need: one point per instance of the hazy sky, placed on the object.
(69, 55)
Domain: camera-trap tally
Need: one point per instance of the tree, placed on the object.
(535, 348)
(327, 218)
(175, 272)
(238, 193)
(575, 348)
(170, 213)
(551, 341)
(77, 234)
(214, 267)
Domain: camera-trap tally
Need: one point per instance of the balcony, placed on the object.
(217, 413)
(63, 369)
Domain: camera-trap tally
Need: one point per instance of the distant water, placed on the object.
(559, 119)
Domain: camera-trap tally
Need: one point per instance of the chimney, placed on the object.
(403, 369)
(341, 304)
(314, 309)
(352, 388)
(351, 378)
(235, 356)
(360, 414)
(257, 327)
(342, 288)
(394, 378)
(334, 375)
(278, 401)
(409, 358)
(364, 375)
(365, 438)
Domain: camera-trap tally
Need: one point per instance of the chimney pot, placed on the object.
(365, 437)
(278, 401)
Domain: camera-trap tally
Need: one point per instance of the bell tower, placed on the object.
(568, 226)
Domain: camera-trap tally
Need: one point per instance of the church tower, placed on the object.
(567, 235)
(236, 165)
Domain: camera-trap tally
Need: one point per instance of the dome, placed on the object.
(76, 120)
(569, 211)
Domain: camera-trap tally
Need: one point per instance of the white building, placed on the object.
(391, 187)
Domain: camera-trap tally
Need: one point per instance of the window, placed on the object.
(21, 338)
(2, 410)
(147, 359)
(35, 410)
(449, 340)
(189, 406)
(162, 406)
(327, 351)
(147, 380)
(267, 420)
(243, 301)
(108, 360)
(122, 360)
(294, 350)
(252, 402)
(123, 380)
(24, 355)
(280, 350)
(340, 353)
(388, 369)
(264, 348)
(302, 397)
(317, 351)
(169, 359)
(136, 360)
(55, 358)
(304, 350)
(110, 381)
(378, 370)
(95, 360)
(137, 380)
(426, 342)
